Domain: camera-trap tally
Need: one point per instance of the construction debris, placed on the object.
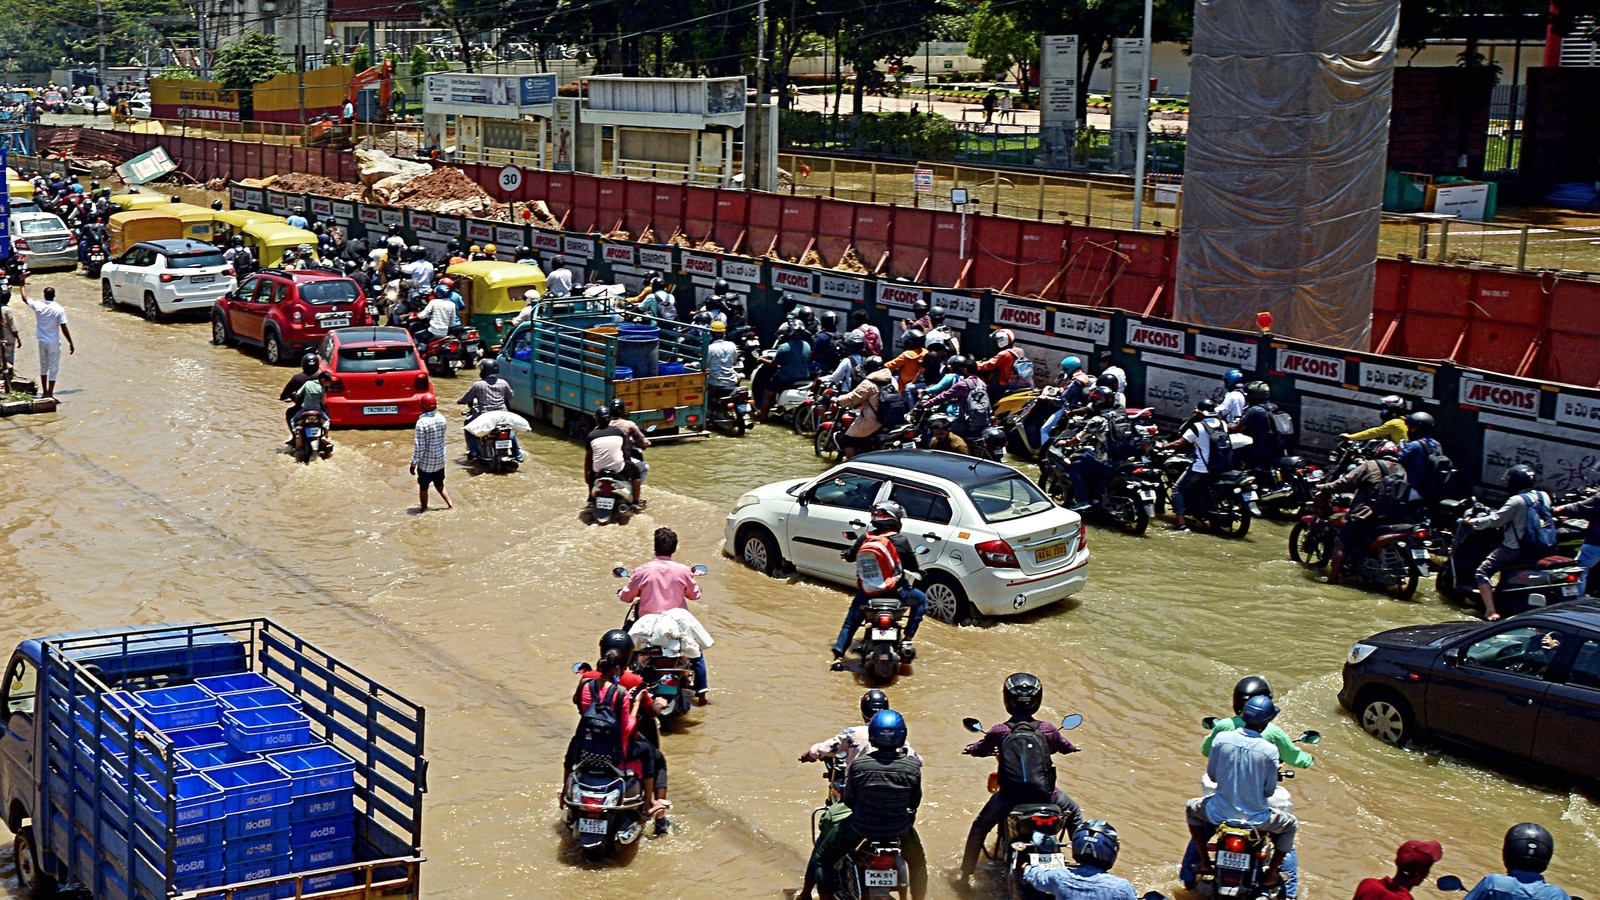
(448, 191)
(850, 261)
(301, 183)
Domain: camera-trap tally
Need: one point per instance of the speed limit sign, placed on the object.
(510, 179)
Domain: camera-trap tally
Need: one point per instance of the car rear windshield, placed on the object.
(196, 260)
(1012, 497)
(398, 358)
(40, 225)
(329, 293)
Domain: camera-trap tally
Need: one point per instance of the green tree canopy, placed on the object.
(1006, 47)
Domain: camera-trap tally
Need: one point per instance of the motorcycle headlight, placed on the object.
(1359, 652)
(746, 501)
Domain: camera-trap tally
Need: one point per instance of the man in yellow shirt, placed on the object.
(1393, 427)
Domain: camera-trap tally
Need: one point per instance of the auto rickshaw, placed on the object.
(197, 224)
(225, 223)
(124, 229)
(493, 293)
(127, 202)
(268, 240)
(19, 192)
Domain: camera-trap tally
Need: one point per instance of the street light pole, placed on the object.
(1144, 122)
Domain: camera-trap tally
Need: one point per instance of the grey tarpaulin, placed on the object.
(1283, 181)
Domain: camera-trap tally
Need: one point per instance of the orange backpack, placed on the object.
(877, 565)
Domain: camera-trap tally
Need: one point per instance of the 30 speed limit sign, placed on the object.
(510, 179)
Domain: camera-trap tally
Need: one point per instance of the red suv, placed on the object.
(288, 312)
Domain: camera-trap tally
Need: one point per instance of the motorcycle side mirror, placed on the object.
(1453, 656)
(619, 572)
(1309, 737)
(1071, 722)
(922, 550)
(1208, 723)
(699, 570)
(580, 668)
(972, 725)
(1450, 883)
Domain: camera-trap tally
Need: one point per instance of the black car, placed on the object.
(1527, 688)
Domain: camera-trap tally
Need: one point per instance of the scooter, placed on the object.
(1395, 560)
(310, 436)
(666, 677)
(1523, 586)
(1032, 833)
(1023, 415)
(497, 450)
(730, 412)
(471, 346)
(610, 497)
(605, 808)
(1288, 485)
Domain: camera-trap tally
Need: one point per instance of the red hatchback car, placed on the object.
(378, 376)
(288, 312)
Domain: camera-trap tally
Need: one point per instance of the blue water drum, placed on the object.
(673, 368)
(637, 346)
(624, 374)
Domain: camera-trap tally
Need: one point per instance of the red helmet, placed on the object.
(1004, 338)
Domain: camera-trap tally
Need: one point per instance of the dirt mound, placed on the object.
(302, 183)
(446, 190)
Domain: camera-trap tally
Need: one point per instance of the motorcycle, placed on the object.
(1024, 423)
(94, 259)
(610, 497)
(1288, 485)
(1395, 560)
(471, 346)
(1522, 586)
(604, 808)
(884, 648)
(496, 450)
(1127, 497)
(730, 411)
(442, 354)
(310, 436)
(666, 677)
(1225, 505)
(1452, 884)
(1032, 833)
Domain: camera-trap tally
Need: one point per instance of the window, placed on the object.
(280, 289)
(1522, 651)
(398, 358)
(1012, 497)
(921, 503)
(329, 293)
(246, 288)
(41, 225)
(850, 490)
(196, 260)
(521, 345)
(1586, 667)
(21, 685)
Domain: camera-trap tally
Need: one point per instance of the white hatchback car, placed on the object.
(996, 544)
(162, 277)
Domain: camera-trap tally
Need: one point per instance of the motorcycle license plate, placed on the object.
(341, 322)
(1054, 551)
(380, 410)
(502, 445)
(1249, 496)
(885, 634)
(455, 363)
(1147, 496)
(591, 826)
(1226, 859)
(313, 432)
(1047, 860)
(1419, 553)
(202, 279)
(605, 503)
(881, 878)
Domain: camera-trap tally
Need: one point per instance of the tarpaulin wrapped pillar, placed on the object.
(1283, 182)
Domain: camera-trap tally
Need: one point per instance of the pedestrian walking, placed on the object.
(427, 455)
(1007, 114)
(990, 101)
(51, 321)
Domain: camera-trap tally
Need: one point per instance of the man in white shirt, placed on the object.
(51, 320)
(440, 313)
(559, 282)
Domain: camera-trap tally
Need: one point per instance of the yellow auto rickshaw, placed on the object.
(128, 202)
(268, 240)
(20, 192)
(493, 292)
(225, 223)
(124, 229)
(197, 224)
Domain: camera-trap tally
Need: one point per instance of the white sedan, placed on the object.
(996, 544)
(84, 106)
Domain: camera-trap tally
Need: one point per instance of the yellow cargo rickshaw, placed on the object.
(225, 223)
(19, 192)
(493, 292)
(268, 240)
(197, 224)
(124, 229)
(128, 202)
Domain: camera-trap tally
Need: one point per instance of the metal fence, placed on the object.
(1521, 247)
(1503, 151)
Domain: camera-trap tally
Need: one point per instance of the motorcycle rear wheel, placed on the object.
(1129, 514)
(1231, 519)
(1306, 548)
(805, 420)
(1407, 587)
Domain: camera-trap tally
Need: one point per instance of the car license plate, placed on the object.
(502, 445)
(591, 826)
(1054, 551)
(1047, 860)
(1419, 553)
(885, 634)
(1569, 590)
(202, 279)
(605, 503)
(881, 878)
(340, 322)
(1229, 860)
(1148, 496)
(380, 410)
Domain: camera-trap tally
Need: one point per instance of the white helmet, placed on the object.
(1004, 338)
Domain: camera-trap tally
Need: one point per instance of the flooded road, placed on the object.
(158, 494)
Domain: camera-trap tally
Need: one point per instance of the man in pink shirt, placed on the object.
(663, 584)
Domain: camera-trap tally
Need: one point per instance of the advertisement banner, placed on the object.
(1094, 329)
(1310, 365)
(205, 100)
(277, 203)
(321, 207)
(391, 216)
(655, 258)
(742, 271)
(1393, 380)
(617, 254)
(1232, 353)
(236, 196)
(899, 296)
(491, 96)
(1152, 337)
(1517, 399)
(147, 166)
(420, 221)
(344, 212)
(840, 287)
(563, 133)
(255, 199)
(1013, 316)
(1559, 457)
(961, 307)
(1577, 410)
(788, 279)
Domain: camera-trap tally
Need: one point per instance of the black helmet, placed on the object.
(616, 639)
(919, 307)
(394, 229)
(488, 368)
(417, 252)
(619, 408)
(1102, 398)
(872, 703)
(94, 185)
(994, 438)
(238, 241)
(657, 282)
(1249, 686)
(524, 251)
(871, 364)
(1393, 405)
(722, 287)
(1528, 848)
(558, 262)
(914, 339)
(216, 205)
(788, 302)
(959, 363)
(830, 321)
(176, 199)
(1022, 693)
(936, 314)
(1257, 392)
(1420, 422)
(1107, 381)
(807, 315)
(854, 343)
(309, 364)
(887, 515)
(1096, 843)
(1520, 478)
(940, 422)
(602, 415)
(318, 228)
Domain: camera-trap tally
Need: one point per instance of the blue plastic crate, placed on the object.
(262, 868)
(251, 785)
(242, 826)
(202, 837)
(218, 685)
(268, 729)
(271, 892)
(323, 856)
(315, 770)
(332, 882)
(321, 806)
(247, 850)
(184, 706)
(259, 698)
(211, 757)
(198, 736)
(322, 831)
(199, 800)
(197, 870)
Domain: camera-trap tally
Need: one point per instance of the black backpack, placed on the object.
(1219, 458)
(1027, 773)
(599, 734)
(1436, 478)
(1119, 434)
(1393, 490)
(891, 407)
(1282, 422)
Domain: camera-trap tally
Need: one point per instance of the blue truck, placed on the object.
(208, 761)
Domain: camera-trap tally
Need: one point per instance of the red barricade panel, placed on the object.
(912, 244)
(666, 209)
(835, 222)
(535, 185)
(637, 209)
(730, 223)
(699, 212)
(766, 219)
(1039, 256)
(873, 225)
(992, 249)
(585, 203)
(558, 195)
(797, 224)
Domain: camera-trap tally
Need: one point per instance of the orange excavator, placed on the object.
(333, 130)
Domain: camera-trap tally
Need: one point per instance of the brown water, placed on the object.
(158, 494)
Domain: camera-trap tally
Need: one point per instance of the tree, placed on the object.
(361, 58)
(248, 60)
(887, 30)
(177, 73)
(1006, 48)
(39, 35)
(1097, 23)
(466, 19)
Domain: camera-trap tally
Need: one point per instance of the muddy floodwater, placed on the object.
(159, 493)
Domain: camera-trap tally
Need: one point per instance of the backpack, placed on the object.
(599, 734)
(1027, 773)
(978, 409)
(1282, 422)
(1539, 537)
(1219, 458)
(1438, 474)
(1021, 369)
(1389, 498)
(1120, 442)
(891, 408)
(877, 565)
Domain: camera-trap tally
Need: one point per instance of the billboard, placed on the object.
(493, 96)
(192, 100)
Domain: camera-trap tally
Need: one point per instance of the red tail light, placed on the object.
(1046, 824)
(336, 386)
(591, 801)
(72, 240)
(606, 489)
(168, 277)
(693, 420)
(885, 620)
(452, 347)
(1571, 577)
(421, 383)
(883, 861)
(22, 244)
(998, 554)
(1235, 843)
(1083, 536)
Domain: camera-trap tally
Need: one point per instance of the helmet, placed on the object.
(914, 339)
(719, 327)
(1070, 364)
(1233, 379)
(1107, 381)
(309, 364)
(656, 282)
(994, 439)
(1096, 843)
(1420, 422)
(452, 247)
(806, 314)
(429, 403)
(1528, 847)
(558, 262)
(871, 364)
(940, 422)
(441, 290)
(55, 176)
(721, 286)
(1249, 686)
(488, 368)
(703, 317)
(524, 251)
(619, 408)
(299, 210)
(175, 197)
(919, 307)
(78, 189)
(1004, 338)
(1393, 405)
(289, 255)
(959, 363)
(416, 252)
(936, 314)
(474, 249)
(316, 227)
(616, 639)
(490, 249)
(1022, 693)
(873, 702)
(394, 229)
(887, 516)
(1520, 478)
(1387, 450)
(1258, 711)
(830, 321)
(887, 730)
(1102, 397)
(1257, 392)
(106, 193)
(1206, 407)
(602, 415)
(238, 241)
(448, 282)
(216, 205)
(94, 185)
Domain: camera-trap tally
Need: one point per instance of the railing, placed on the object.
(1521, 247)
(274, 132)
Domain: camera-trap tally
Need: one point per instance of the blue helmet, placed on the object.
(1096, 843)
(1233, 379)
(887, 731)
(1070, 364)
(442, 290)
(1258, 711)
(77, 189)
